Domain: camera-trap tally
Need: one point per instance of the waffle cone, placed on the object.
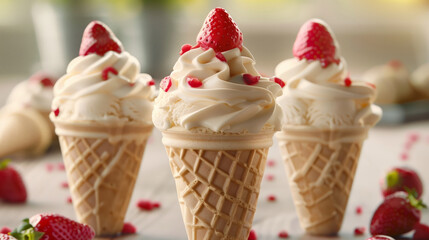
(321, 166)
(217, 186)
(102, 171)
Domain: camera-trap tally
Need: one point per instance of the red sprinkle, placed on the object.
(252, 235)
(279, 81)
(271, 198)
(145, 205)
(64, 184)
(359, 231)
(165, 83)
(49, 167)
(185, 48)
(194, 82)
(271, 163)
(347, 82)
(220, 56)
(105, 72)
(249, 79)
(404, 156)
(128, 228)
(359, 210)
(151, 82)
(270, 177)
(57, 112)
(69, 199)
(5, 230)
(283, 234)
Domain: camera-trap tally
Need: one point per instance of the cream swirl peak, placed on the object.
(103, 84)
(214, 86)
(319, 91)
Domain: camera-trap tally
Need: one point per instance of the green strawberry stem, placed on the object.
(417, 203)
(392, 179)
(4, 163)
(26, 231)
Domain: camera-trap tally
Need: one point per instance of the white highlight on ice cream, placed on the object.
(31, 94)
(224, 103)
(82, 94)
(317, 96)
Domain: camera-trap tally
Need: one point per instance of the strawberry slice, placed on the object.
(316, 42)
(99, 39)
(220, 32)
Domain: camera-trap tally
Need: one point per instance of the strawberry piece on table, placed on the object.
(316, 42)
(398, 214)
(99, 39)
(12, 187)
(401, 179)
(220, 32)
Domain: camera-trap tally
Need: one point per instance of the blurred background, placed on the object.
(46, 34)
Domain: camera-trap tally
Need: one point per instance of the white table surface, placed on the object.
(381, 151)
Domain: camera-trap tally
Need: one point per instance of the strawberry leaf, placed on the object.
(4, 163)
(26, 232)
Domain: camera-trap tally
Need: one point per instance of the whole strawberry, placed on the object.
(99, 39)
(421, 232)
(401, 179)
(12, 188)
(220, 32)
(380, 237)
(57, 227)
(398, 214)
(316, 42)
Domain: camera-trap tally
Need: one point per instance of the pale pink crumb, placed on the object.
(408, 145)
(129, 228)
(359, 210)
(49, 167)
(271, 163)
(252, 235)
(5, 230)
(414, 137)
(359, 231)
(61, 166)
(64, 184)
(283, 234)
(156, 204)
(69, 199)
(270, 177)
(404, 156)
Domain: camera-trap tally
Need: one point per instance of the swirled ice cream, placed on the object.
(216, 88)
(103, 86)
(319, 91)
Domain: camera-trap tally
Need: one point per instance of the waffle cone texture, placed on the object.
(321, 166)
(102, 171)
(217, 187)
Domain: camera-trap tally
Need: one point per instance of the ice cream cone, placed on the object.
(321, 166)
(102, 170)
(24, 131)
(217, 179)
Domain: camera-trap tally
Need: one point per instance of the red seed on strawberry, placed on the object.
(219, 32)
(106, 71)
(194, 82)
(283, 234)
(315, 42)
(398, 214)
(12, 187)
(249, 79)
(151, 83)
(401, 179)
(128, 228)
(221, 57)
(99, 39)
(279, 81)
(185, 48)
(165, 84)
(252, 235)
(359, 231)
(421, 232)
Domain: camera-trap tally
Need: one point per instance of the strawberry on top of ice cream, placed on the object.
(319, 91)
(214, 86)
(103, 83)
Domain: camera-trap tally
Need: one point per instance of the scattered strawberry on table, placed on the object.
(401, 179)
(50, 227)
(398, 214)
(12, 187)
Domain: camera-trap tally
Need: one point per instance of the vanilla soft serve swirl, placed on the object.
(224, 103)
(82, 94)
